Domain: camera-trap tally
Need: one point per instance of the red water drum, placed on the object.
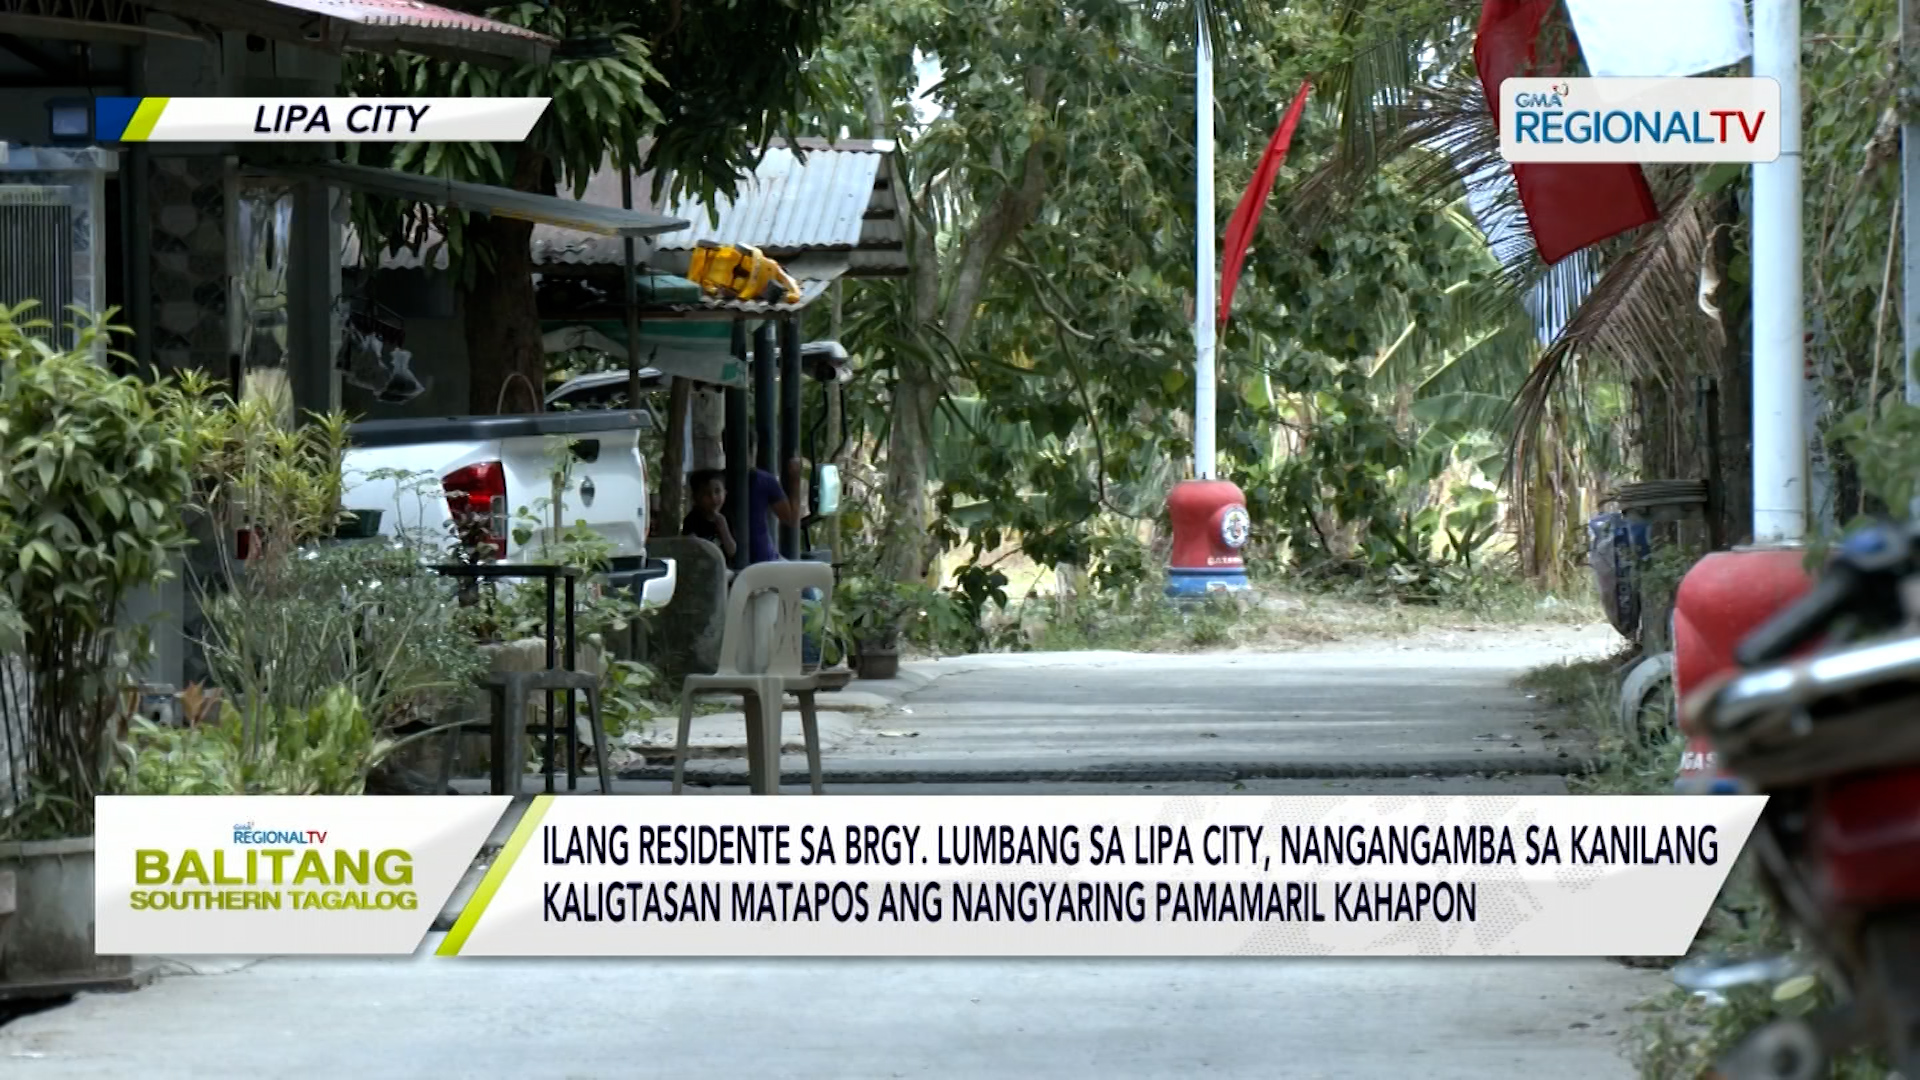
(1725, 597)
(1210, 526)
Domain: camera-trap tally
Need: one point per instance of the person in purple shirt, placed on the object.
(768, 499)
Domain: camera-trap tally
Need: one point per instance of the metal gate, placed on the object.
(37, 252)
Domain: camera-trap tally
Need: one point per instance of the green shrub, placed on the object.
(95, 469)
(327, 749)
(370, 618)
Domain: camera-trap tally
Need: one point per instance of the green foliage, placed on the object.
(255, 471)
(1342, 481)
(602, 110)
(1068, 376)
(1685, 1034)
(303, 617)
(720, 111)
(628, 697)
(1140, 618)
(518, 610)
(957, 617)
(1885, 446)
(598, 613)
(871, 610)
(327, 748)
(674, 98)
(94, 470)
(370, 618)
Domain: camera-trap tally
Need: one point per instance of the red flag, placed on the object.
(1569, 205)
(1246, 216)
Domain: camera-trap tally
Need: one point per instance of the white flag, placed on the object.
(1653, 39)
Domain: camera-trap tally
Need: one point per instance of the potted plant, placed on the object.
(870, 612)
(94, 472)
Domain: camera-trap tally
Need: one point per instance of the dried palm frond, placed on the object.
(1628, 307)
(1641, 320)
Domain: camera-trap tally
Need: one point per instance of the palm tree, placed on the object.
(1637, 310)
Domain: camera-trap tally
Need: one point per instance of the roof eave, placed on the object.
(316, 31)
(445, 43)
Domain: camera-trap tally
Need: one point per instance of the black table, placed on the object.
(552, 575)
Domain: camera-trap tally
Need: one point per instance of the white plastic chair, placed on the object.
(760, 660)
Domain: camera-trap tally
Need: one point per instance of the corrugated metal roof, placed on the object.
(790, 205)
(840, 198)
(840, 201)
(373, 24)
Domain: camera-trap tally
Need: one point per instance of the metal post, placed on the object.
(1203, 269)
(789, 422)
(1910, 195)
(1779, 366)
(734, 438)
(310, 374)
(766, 405)
(835, 404)
(633, 299)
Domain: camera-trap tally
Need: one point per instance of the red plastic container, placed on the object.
(1210, 525)
(1725, 597)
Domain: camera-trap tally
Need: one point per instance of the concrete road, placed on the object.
(1441, 703)
(1121, 1019)
(1297, 1019)
(1117, 1020)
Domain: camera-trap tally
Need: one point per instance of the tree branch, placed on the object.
(1011, 211)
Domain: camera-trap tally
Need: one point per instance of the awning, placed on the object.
(376, 25)
(690, 348)
(482, 199)
(814, 272)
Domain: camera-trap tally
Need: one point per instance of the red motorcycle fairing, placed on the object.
(1866, 838)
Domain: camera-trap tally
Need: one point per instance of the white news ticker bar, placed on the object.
(918, 876)
(1114, 876)
(347, 119)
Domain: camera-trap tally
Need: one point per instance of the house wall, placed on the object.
(181, 223)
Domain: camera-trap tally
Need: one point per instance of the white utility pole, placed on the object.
(1910, 195)
(1204, 255)
(1779, 335)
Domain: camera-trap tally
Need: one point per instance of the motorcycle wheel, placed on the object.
(1783, 1050)
(1892, 944)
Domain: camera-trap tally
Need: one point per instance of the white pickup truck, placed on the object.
(490, 467)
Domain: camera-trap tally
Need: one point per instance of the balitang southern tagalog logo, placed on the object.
(272, 869)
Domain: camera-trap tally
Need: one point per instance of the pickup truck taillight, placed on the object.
(477, 499)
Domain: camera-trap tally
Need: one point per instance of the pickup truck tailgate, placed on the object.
(599, 450)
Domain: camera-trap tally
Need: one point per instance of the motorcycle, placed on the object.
(1833, 738)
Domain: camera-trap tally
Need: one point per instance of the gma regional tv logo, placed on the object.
(1639, 120)
(273, 869)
